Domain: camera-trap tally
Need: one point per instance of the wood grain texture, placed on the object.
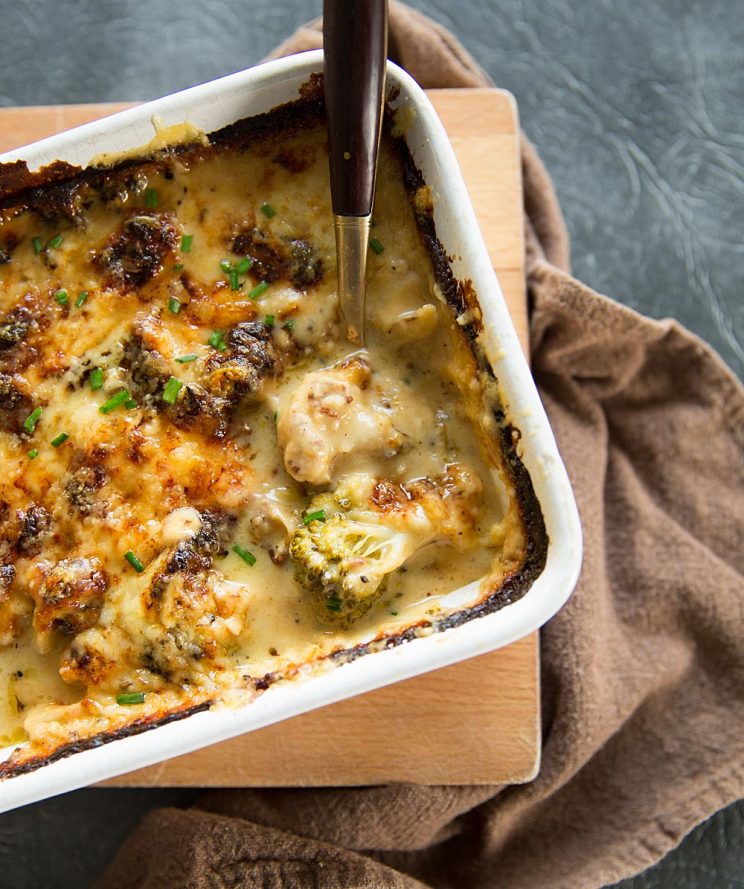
(472, 723)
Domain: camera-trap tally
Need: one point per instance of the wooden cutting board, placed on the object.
(473, 723)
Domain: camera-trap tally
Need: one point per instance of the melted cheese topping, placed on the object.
(186, 409)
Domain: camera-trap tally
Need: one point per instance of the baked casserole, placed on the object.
(204, 487)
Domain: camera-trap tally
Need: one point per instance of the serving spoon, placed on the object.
(355, 48)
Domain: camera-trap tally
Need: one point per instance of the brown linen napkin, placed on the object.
(643, 670)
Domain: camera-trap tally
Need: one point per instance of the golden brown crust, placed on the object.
(195, 446)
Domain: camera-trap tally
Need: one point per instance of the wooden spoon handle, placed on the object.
(355, 43)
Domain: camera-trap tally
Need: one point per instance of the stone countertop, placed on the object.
(636, 110)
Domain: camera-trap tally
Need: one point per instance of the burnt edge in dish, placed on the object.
(8, 770)
(56, 183)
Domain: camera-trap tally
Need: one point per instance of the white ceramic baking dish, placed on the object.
(210, 107)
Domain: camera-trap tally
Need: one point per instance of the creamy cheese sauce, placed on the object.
(134, 482)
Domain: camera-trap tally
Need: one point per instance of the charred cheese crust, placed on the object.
(156, 318)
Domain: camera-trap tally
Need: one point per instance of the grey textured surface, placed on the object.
(636, 109)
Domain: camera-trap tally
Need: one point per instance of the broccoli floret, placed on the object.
(357, 535)
(343, 564)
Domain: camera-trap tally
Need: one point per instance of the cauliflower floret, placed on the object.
(414, 324)
(177, 622)
(366, 529)
(68, 597)
(332, 413)
(14, 608)
(272, 523)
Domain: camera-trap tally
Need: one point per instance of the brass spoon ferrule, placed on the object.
(352, 240)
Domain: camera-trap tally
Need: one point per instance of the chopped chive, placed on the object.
(289, 325)
(29, 424)
(333, 603)
(37, 244)
(186, 242)
(216, 341)
(234, 279)
(269, 320)
(60, 439)
(275, 417)
(82, 296)
(177, 267)
(96, 379)
(174, 305)
(267, 210)
(317, 516)
(115, 401)
(245, 263)
(33, 453)
(131, 697)
(376, 246)
(61, 297)
(258, 290)
(151, 198)
(55, 242)
(172, 388)
(185, 359)
(244, 554)
(134, 561)
(225, 265)
(130, 403)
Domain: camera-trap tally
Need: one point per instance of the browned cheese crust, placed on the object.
(203, 485)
